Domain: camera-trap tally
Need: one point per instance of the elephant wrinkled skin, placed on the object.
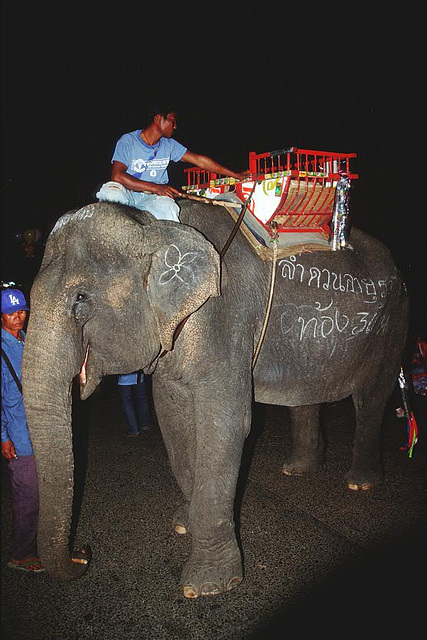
(114, 285)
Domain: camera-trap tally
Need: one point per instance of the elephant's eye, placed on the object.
(81, 308)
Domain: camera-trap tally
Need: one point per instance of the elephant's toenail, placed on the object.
(179, 528)
(190, 592)
(360, 487)
(233, 583)
(210, 589)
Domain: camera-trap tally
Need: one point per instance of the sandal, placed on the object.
(29, 565)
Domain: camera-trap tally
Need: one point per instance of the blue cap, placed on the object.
(13, 300)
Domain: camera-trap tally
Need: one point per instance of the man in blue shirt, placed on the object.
(139, 176)
(15, 439)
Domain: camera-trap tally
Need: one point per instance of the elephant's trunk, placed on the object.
(50, 362)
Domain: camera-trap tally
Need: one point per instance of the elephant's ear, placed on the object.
(183, 274)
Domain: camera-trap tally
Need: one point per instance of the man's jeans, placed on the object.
(25, 500)
(162, 207)
(135, 406)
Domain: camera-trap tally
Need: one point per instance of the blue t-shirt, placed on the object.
(130, 378)
(146, 162)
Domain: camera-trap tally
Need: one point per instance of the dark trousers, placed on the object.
(135, 405)
(25, 500)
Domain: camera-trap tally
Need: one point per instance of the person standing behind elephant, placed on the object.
(139, 176)
(135, 403)
(16, 444)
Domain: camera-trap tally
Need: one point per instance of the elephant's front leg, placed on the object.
(215, 563)
(174, 404)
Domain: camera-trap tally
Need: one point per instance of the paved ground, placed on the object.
(319, 559)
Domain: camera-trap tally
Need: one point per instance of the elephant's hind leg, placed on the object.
(307, 455)
(365, 472)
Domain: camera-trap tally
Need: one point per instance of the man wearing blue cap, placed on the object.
(15, 439)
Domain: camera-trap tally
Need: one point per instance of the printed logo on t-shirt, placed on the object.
(139, 165)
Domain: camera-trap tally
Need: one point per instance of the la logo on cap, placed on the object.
(13, 299)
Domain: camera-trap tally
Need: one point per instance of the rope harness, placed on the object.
(275, 242)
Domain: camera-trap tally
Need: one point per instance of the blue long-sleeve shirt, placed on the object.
(13, 419)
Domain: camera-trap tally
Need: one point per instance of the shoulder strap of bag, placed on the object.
(12, 370)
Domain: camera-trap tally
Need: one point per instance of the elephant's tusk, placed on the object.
(83, 375)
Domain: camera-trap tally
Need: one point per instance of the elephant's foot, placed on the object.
(214, 571)
(180, 520)
(295, 467)
(363, 478)
(72, 568)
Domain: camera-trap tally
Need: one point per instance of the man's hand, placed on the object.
(8, 450)
(164, 190)
(118, 174)
(244, 175)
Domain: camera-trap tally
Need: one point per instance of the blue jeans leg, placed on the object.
(114, 192)
(25, 500)
(142, 404)
(125, 392)
(161, 207)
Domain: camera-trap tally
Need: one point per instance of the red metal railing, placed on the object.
(196, 176)
(297, 160)
(306, 182)
(293, 161)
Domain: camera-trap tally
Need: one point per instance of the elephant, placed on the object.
(119, 291)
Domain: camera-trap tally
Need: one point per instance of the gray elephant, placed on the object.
(114, 286)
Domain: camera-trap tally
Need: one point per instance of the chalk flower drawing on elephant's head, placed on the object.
(178, 266)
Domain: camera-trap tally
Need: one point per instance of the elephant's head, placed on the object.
(113, 286)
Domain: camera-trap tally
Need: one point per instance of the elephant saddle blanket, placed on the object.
(289, 243)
